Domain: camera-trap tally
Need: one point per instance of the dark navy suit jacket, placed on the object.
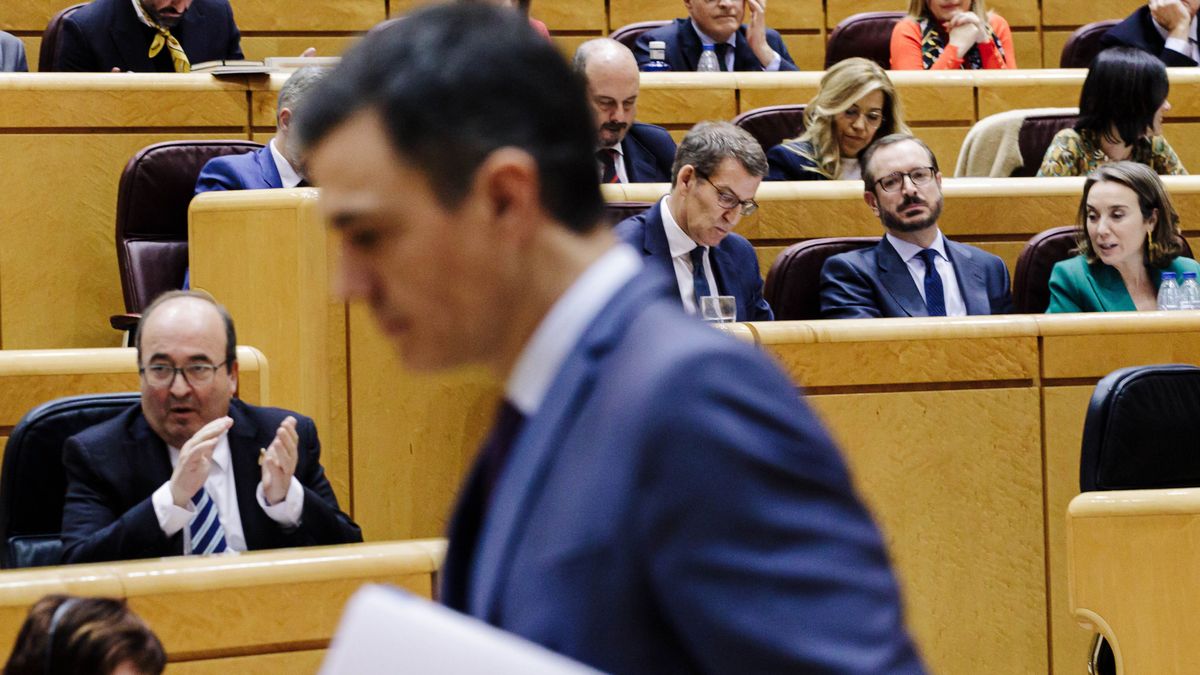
(114, 467)
(1137, 30)
(245, 171)
(106, 34)
(674, 506)
(788, 165)
(684, 47)
(874, 282)
(734, 263)
(649, 152)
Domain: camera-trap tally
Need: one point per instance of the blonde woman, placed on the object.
(855, 105)
(950, 35)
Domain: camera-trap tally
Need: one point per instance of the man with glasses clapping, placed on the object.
(914, 270)
(191, 470)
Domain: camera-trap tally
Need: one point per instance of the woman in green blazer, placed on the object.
(1128, 236)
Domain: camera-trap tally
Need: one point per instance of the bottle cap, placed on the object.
(658, 44)
(710, 48)
(1189, 275)
(1168, 275)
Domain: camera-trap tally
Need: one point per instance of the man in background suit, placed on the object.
(12, 54)
(190, 469)
(719, 22)
(147, 36)
(628, 152)
(689, 233)
(275, 166)
(914, 270)
(1164, 28)
(655, 497)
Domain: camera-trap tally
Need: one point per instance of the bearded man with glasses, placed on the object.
(191, 470)
(689, 233)
(914, 270)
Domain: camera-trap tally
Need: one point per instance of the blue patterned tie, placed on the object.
(935, 297)
(699, 280)
(207, 535)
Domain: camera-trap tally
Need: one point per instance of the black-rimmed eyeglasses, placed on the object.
(162, 375)
(728, 200)
(893, 181)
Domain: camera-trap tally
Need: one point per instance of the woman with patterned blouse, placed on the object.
(952, 34)
(1120, 118)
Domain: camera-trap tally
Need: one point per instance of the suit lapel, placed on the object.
(149, 466)
(744, 57)
(689, 44)
(638, 161)
(896, 279)
(723, 262)
(129, 36)
(245, 439)
(654, 239)
(533, 450)
(971, 282)
(270, 172)
(1110, 291)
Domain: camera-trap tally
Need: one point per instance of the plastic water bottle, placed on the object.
(1168, 292)
(658, 58)
(1189, 292)
(708, 60)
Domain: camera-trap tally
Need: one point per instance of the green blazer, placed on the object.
(1076, 286)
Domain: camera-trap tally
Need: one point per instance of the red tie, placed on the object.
(608, 159)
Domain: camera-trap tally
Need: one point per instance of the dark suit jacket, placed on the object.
(734, 263)
(649, 153)
(874, 282)
(106, 34)
(684, 47)
(786, 164)
(245, 171)
(113, 468)
(674, 506)
(1137, 30)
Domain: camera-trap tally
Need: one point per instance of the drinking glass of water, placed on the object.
(718, 308)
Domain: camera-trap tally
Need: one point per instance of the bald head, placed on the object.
(611, 74)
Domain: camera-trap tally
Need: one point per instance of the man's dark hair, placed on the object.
(1123, 90)
(63, 635)
(230, 332)
(452, 84)
(864, 157)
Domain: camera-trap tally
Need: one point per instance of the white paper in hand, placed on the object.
(385, 630)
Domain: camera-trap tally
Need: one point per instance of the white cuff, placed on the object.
(171, 518)
(287, 512)
(1180, 46)
(773, 66)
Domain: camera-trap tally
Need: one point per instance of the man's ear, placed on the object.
(510, 187)
(285, 120)
(870, 199)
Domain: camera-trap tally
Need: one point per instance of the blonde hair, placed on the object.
(919, 9)
(846, 83)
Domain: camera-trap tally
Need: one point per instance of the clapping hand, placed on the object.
(279, 462)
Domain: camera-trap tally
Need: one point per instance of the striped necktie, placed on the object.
(204, 529)
(164, 38)
(608, 163)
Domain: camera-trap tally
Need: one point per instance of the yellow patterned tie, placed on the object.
(164, 37)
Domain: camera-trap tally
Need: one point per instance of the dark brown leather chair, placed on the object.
(152, 218)
(1084, 44)
(628, 35)
(868, 35)
(48, 53)
(774, 124)
(793, 287)
(615, 212)
(1031, 277)
(1034, 138)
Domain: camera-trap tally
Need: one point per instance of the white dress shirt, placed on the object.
(730, 58)
(564, 324)
(945, 269)
(622, 175)
(287, 174)
(220, 487)
(1188, 47)
(681, 246)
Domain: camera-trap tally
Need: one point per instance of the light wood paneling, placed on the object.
(807, 50)
(687, 98)
(317, 16)
(1052, 46)
(30, 14)
(1028, 46)
(1078, 13)
(259, 47)
(307, 661)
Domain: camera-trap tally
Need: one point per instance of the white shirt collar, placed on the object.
(143, 16)
(908, 250)
(287, 175)
(678, 240)
(560, 330)
(705, 39)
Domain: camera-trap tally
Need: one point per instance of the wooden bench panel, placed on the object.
(316, 15)
(1078, 14)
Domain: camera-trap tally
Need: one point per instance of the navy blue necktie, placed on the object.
(722, 55)
(935, 297)
(699, 280)
(494, 453)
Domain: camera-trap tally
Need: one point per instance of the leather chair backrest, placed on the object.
(1031, 277)
(628, 35)
(152, 214)
(793, 287)
(32, 480)
(1142, 430)
(1037, 131)
(48, 52)
(774, 124)
(1084, 44)
(868, 35)
(615, 212)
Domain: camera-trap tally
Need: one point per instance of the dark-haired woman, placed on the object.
(64, 635)
(1120, 118)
